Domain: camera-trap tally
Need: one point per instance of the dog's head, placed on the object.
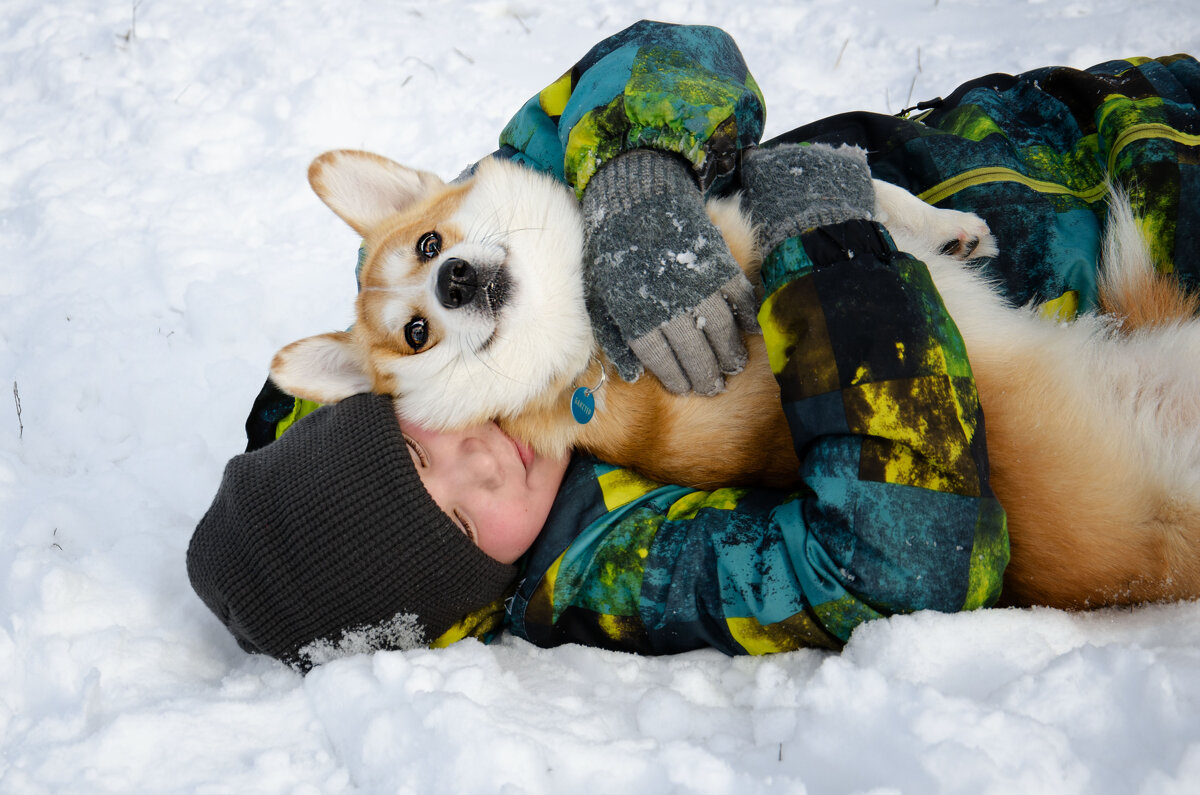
(471, 295)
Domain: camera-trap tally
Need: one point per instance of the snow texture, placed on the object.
(160, 243)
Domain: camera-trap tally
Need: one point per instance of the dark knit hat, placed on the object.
(326, 543)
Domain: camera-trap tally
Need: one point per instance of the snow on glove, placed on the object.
(661, 282)
(793, 187)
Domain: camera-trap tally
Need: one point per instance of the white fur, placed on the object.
(494, 365)
(923, 230)
(541, 334)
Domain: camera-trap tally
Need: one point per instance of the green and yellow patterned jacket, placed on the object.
(681, 89)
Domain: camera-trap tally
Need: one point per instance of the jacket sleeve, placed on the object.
(894, 514)
(681, 89)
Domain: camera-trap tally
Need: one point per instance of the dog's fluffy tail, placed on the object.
(1132, 289)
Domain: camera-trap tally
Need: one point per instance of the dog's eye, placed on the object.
(416, 333)
(430, 245)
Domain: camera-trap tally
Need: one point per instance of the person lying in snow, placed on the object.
(327, 542)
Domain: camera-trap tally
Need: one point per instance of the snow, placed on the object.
(160, 242)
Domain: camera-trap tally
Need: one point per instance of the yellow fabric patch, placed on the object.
(623, 486)
(842, 615)
(619, 627)
(553, 98)
(300, 410)
(483, 621)
(798, 344)
(1062, 309)
(795, 632)
(934, 451)
(540, 609)
(581, 161)
(972, 125)
(775, 335)
(687, 507)
(989, 557)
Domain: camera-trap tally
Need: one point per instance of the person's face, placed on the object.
(496, 489)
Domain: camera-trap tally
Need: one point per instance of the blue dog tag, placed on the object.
(583, 405)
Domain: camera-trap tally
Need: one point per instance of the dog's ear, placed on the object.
(325, 368)
(365, 188)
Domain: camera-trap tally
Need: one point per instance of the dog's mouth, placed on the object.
(496, 291)
(495, 295)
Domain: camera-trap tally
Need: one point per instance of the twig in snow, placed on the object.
(913, 84)
(432, 71)
(465, 57)
(841, 52)
(17, 400)
(131, 34)
(521, 22)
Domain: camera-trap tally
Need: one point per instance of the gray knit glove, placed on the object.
(793, 187)
(662, 288)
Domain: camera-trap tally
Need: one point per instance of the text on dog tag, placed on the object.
(583, 405)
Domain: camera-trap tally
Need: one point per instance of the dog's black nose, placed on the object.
(456, 283)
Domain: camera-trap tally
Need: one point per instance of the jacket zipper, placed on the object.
(980, 176)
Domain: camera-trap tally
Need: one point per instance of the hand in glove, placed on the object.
(793, 187)
(663, 290)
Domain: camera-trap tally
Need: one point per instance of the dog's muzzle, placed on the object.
(459, 284)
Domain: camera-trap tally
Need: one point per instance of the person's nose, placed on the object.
(482, 465)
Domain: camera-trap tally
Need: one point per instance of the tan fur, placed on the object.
(1086, 527)
(1158, 298)
(677, 438)
(1093, 432)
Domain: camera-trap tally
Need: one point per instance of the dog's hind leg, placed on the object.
(927, 232)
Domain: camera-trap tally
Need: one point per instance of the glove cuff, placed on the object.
(792, 187)
(642, 175)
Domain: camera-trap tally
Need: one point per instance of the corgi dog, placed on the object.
(471, 309)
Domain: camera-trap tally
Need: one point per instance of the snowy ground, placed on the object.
(159, 242)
